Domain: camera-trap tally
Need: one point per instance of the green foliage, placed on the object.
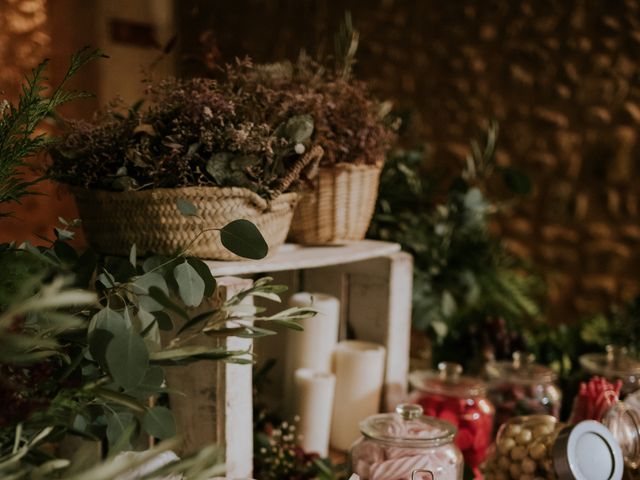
(103, 349)
(619, 326)
(463, 275)
(18, 124)
(80, 350)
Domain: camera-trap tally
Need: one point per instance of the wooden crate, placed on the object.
(372, 279)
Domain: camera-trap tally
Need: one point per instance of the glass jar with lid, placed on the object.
(538, 446)
(614, 364)
(461, 400)
(406, 445)
(523, 387)
(623, 421)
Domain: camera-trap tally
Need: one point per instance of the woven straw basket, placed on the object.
(113, 221)
(340, 207)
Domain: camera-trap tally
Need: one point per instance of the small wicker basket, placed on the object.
(340, 206)
(113, 221)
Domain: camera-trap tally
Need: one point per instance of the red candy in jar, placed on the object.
(460, 400)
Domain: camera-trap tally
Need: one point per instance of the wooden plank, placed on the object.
(297, 257)
(212, 401)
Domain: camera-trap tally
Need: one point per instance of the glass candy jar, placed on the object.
(538, 446)
(462, 401)
(614, 365)
(522, 387)
(623, 420)
(406, 446)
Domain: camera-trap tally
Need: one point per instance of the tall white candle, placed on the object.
(314, 402)
(359, 371)
(313, 347)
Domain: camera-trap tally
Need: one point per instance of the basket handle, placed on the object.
(312, 156)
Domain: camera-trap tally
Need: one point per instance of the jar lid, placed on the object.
(408, 427)
(447, 380)
(587, 451)
(615, 363)
(522, 370)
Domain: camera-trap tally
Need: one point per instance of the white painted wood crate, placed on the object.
(373, 281)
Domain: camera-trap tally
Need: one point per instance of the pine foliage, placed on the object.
(19, 139)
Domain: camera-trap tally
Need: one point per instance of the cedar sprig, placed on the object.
(18, 124)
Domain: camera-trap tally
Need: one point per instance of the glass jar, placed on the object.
(462, 401)
(623, 420)
(406, 446)
(615, 364)
(523, 387)
(538, 446)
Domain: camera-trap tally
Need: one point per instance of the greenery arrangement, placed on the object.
(350, 124)
(193, 132)
(465, 280)
(18, 124)
(80, 350)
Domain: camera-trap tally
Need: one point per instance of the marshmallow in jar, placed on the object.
(406, 445)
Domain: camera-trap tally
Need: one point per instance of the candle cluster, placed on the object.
(594, 399)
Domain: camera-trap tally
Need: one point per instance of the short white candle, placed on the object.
(314, 402)
(359, 371)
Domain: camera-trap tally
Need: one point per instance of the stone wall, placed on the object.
(561, 77)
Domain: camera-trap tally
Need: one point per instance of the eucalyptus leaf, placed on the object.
(159, 422)
(120, 428)
(187, 208)
(164, 320)
(150, 384)
(65, 252)
(205, 273)
(244, 239)
(191, 286)
(163, 299)
(103, 327)
(142, 286)
(127, 359)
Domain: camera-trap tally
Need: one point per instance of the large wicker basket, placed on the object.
(340, 206)
(113, 221)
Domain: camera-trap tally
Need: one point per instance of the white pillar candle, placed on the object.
(359, 371)
(313, 347)
(314, 402)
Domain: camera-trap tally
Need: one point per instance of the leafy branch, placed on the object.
(18, 123)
